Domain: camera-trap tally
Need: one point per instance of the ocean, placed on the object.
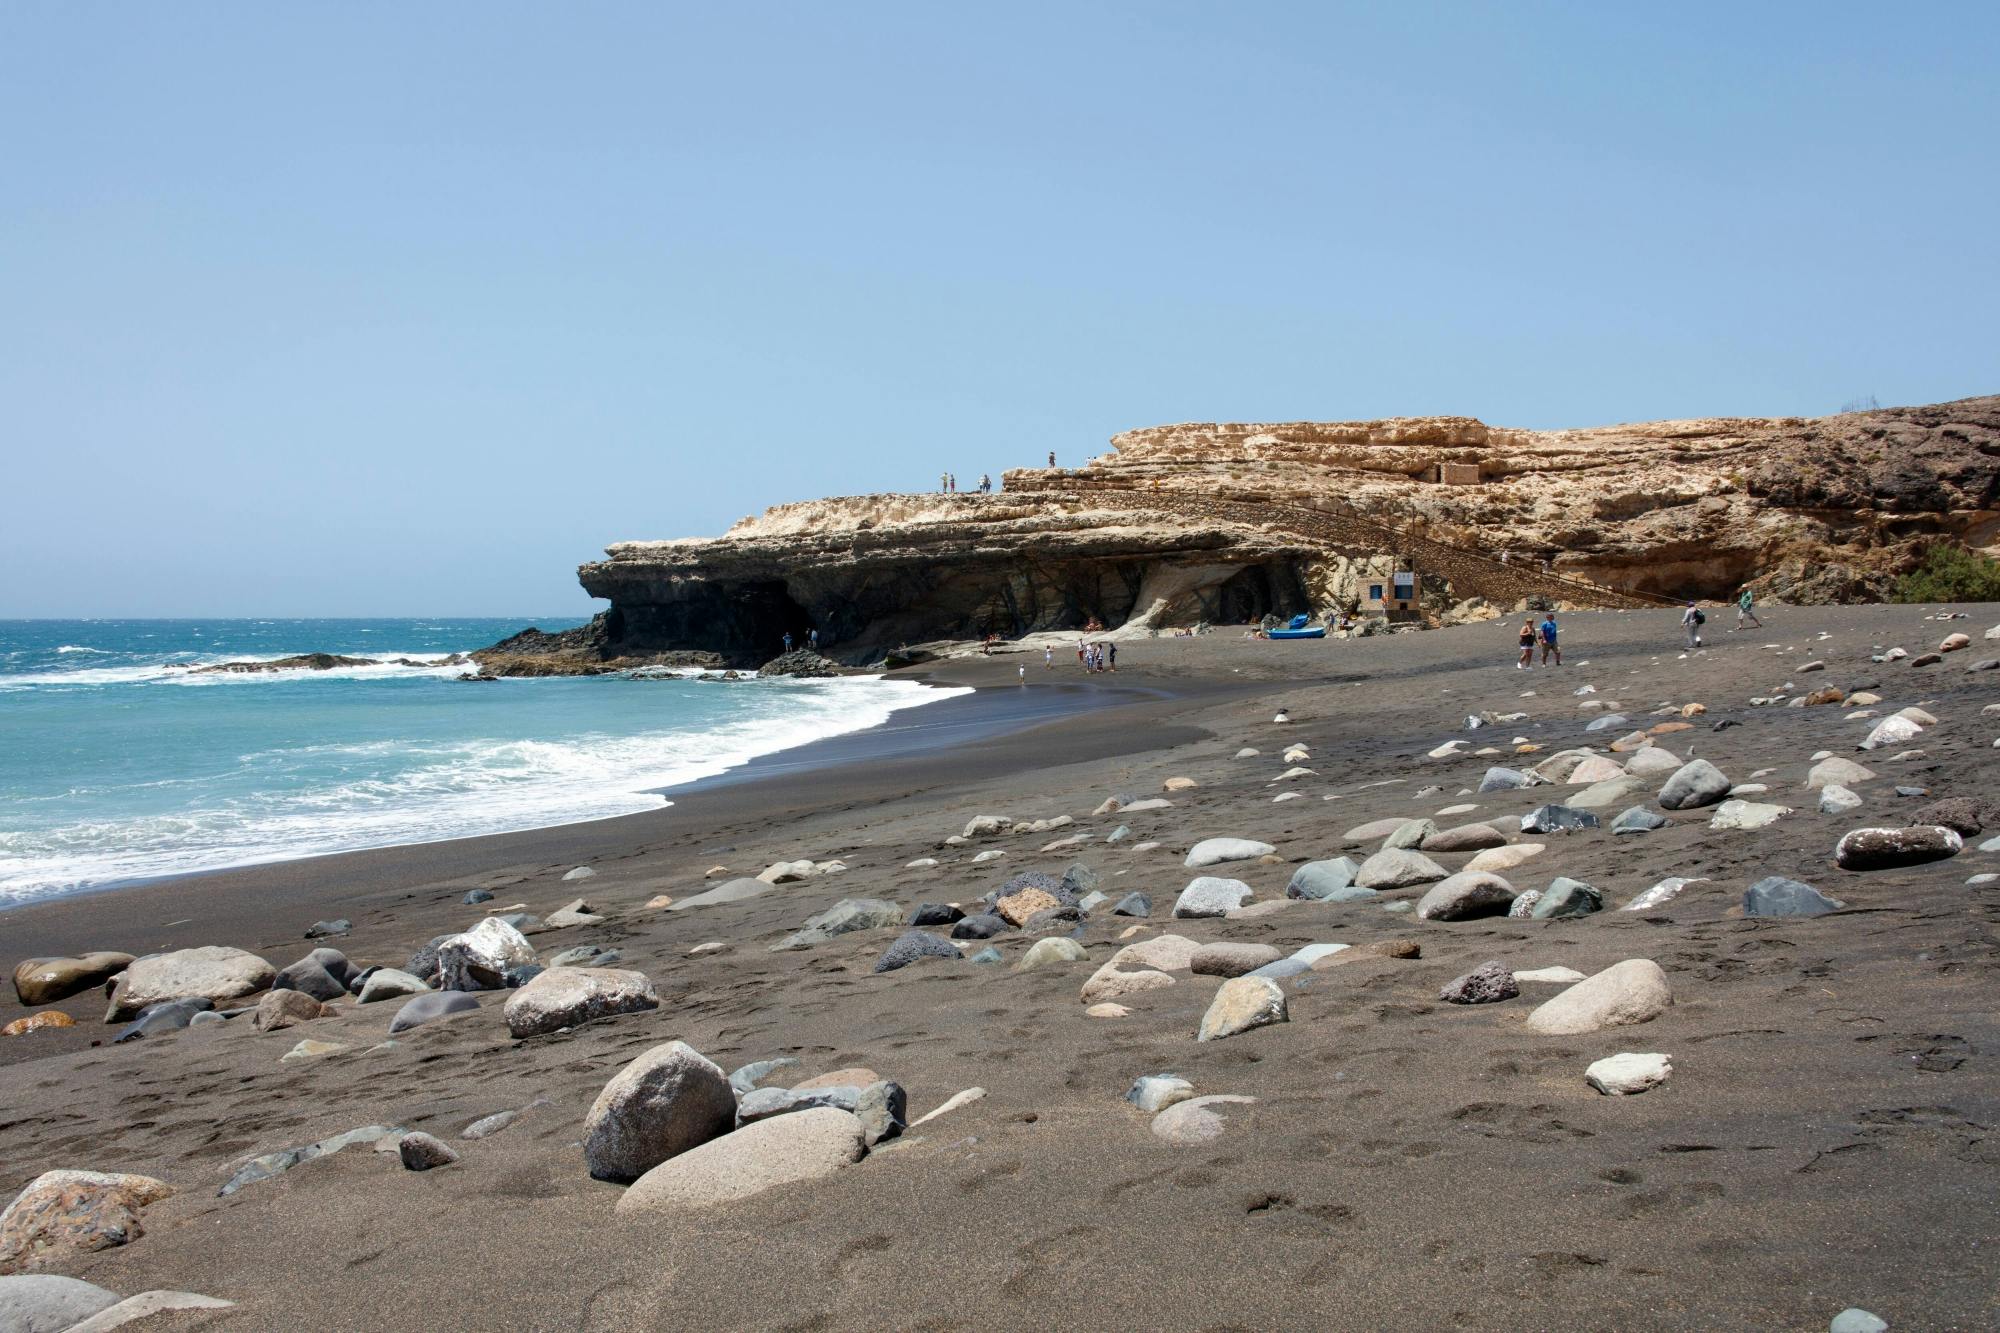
(119, 764)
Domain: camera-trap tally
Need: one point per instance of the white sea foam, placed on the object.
(179, 671)
(453, 789)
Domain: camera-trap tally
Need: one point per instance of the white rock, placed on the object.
(1834, 771)
(1550, 976)
(766, 1154)
(990, 854)
(1449, 750)
(1746, 815)
(1194, 1121)
(1634, 991)
(1210, 896)
(1215, 851)
(1837, 800)
(952, 1103)
(1627, 1073)
(1891, 731)
(479, 958)
(921, 863)
(563, 997)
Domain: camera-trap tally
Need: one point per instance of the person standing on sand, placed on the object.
(1549, 644)
(1744, 611)
(812, 639)
(1048, 657)
(1691, 621)
(1023, 671)
(1112, 651)
(1527, 644)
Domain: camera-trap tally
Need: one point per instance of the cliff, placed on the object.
(1229, 522)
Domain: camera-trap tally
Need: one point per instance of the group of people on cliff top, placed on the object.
(948, 484)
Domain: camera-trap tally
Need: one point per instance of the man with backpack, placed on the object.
(1692, 620)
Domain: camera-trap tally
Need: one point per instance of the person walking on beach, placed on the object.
(1527, 644)
(1744, 611)
(1112, 651)
(1549, 644)
(1691, 621)
(1048, 657)
(1023, 672)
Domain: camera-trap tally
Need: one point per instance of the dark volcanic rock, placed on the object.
(935, 914)
(912, 945)
(982, 927)
(1133, 904)
(1486, 984)
(1967, 816)
(801, 663)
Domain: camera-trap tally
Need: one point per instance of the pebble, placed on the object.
(1108, 1010)
(1133, 904)
(270, 1164)
(914, 945)
(1506, 858)
(951, 1103)
(1628, 1073)
(1856, 1320)
(581, 872)
(1639, 819)
(1835, 799)
(1326, 881)
(312, 1050)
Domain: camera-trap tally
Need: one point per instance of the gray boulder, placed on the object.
(934, 914)
(320, 930)
(166, 1016)
(46, 1303)
(1133, 904)
(1411, 833)
(913, 945)
(984, 926)
(1468, 894)
(849, 914)
(566, 997)
(1209, 896)
(1224, 959)
(1503, 779)
(388, 983)
(1557, 819)
(1397, 869)
(1567, 897)
(39, 981)
(1323, 879)
(1639, 820)
(310, 978)
(665, 1102)
(1465, 838)
(431, 1005)
(212, 972)
(1694, 784)
(1774, 895)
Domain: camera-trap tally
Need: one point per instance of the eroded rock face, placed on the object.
(1228, 522)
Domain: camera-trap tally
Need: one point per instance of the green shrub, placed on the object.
(1950, 573)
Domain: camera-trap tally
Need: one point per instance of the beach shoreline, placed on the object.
(1403, 1162)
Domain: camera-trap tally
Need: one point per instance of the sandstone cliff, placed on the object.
(1230, 522)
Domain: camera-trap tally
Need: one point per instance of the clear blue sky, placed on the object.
(408, 308)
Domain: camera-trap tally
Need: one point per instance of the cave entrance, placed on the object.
(766, 613)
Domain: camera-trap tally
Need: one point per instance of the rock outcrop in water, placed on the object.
(1228, 523)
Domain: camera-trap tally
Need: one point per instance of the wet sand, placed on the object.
(1824, 1141)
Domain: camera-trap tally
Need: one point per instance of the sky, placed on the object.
(394, 309)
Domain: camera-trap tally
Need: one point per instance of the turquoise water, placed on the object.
(118, 764)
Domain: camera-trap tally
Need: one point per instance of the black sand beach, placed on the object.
(1824, 1141)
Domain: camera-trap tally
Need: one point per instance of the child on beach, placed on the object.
(1527, 644)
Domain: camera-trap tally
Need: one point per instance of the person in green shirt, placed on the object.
(1744, 611)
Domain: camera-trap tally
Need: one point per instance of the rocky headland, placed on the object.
(1228, 523)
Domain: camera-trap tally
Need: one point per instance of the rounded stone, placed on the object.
(1210, 896)
(1634, 991)
(565, 997)
(783, 1150)
(1885, 848)
(1468, 894)
(1243, 1003)
(668, 1101)
(1628, 1073)
(1694, 784)
(212, 972)
(1053, 951)
(1396, 869)
(1196, 1120)
(39, 981)
(1224, 959)
(1215, 851)
(421, 1152)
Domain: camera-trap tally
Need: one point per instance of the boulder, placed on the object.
(1231, 960)
(1597, 768)
(1169, 953)
(1410, 833)
(1241, 1004)
(62, 1215)
(1835, 771)
(574, 913)
(1886, 848)
(1557, 819)
(567, 997)
(320, 930)
(1489, 983)
(1323, 880)
(1397, 869)
(1740, 814)
(1133, 904)
(213, 973)
(480, 958)
(1694, 784)
(1775, 895)
(1652, 763)
(913, 945)
(1503, 779)
(982, 926)
(1634, 991)
(423, 1152)
(1628, 1074)
(1055, 950)
(40, 981)
(1891, 731)
(309, 977)
(1195, 1120)
(1638, 819)
(47, 1303)
(283, 1008)
(783, 1150)
(849, 914)
(934, 914)
(1215, 851)
(1463, 838)
(1468, 894)
(1209, 896)
(1567, 897)
(667, 1101)
(1018, 906)
(1111, 982)
(421, 1009)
